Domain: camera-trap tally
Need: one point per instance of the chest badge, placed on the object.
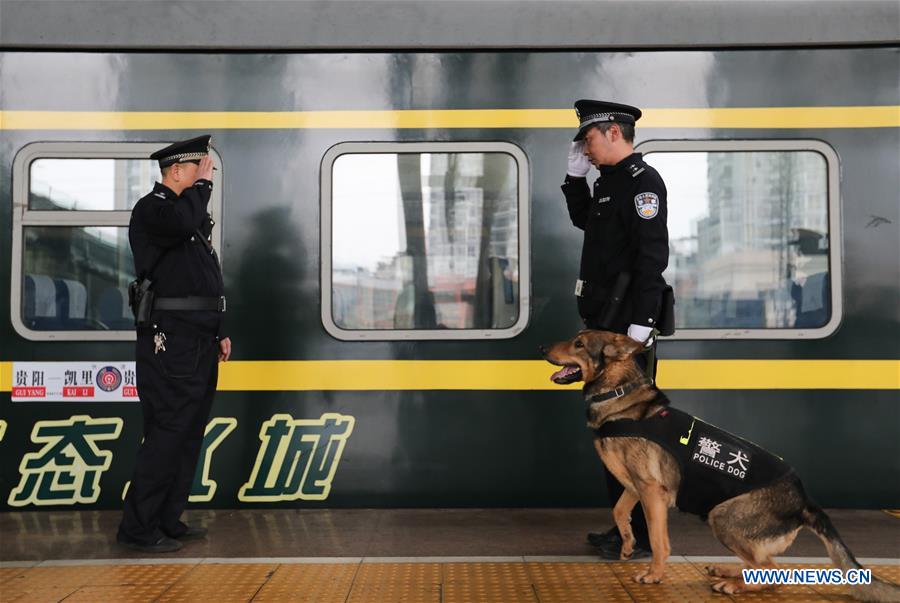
(647, 205)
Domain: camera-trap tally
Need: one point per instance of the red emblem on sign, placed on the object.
(109, 378)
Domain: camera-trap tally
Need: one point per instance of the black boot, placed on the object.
(163, 544)
(609, 545)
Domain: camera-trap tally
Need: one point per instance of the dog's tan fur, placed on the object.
(756, 526)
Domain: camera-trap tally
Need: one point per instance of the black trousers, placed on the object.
(613, 488)
(176, 389)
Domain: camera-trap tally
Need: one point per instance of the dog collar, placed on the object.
(620, 391)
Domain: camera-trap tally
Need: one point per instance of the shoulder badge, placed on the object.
(635, 170)
(647, 205)
(161, 195)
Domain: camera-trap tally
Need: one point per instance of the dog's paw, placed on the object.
(728, 587)
(648, 577)
(723, 571)
(627, 550)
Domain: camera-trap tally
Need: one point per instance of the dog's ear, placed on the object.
(594, 343)
(622, 347)
(631, 346)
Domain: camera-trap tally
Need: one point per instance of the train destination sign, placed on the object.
(73, 382)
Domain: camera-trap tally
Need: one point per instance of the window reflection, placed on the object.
(425, 241)
(75, 278)
(748, 238)
(89, 184)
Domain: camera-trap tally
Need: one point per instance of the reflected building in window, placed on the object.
(133, 180)
(748, 256)
(471, 224)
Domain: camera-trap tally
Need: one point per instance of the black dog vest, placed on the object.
(715, 465)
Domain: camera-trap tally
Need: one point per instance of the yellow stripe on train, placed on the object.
(511, 375)
(881, 116)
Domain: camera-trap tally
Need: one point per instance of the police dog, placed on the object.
(756, 525)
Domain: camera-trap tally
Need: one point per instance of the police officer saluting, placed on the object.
(178, 300)
(626, 249)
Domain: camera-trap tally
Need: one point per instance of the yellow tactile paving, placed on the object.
(308, 583)
(69, 575)
(220, 583)
(47, 594)
(784, 592)
(891, 573)
(117, 594)
(8, 573)
(89, 583)
(682, 583)
(560, 573)
(513, 582)
(135, 575)
(580, 594)
(559, 582)
(487, 583)
(47, 583)
(397, 583)
(128, 583)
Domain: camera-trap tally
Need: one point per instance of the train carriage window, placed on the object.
(754, 245)
(71, 260)
(424, 240)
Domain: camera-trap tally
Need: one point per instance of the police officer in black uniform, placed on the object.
(626, 249)
(180, 342)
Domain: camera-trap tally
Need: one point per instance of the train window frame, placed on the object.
(24, 217)
(523, 179)
(835, 234)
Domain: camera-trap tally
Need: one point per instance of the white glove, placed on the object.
(579, 164)
(640, 333)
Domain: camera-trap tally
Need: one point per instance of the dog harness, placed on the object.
(715, 465)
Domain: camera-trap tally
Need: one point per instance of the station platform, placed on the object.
(395, 555)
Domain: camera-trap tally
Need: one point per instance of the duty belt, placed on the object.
(583, 289)
(215, 304)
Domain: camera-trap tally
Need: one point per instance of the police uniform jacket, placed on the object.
(164, 232)
(624, 223)
(715, 465)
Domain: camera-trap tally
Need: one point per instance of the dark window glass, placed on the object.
(75, 278)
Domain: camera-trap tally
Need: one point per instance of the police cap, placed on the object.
(592, 112)
(186, 150)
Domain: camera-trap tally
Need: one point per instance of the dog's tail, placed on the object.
(816, 520)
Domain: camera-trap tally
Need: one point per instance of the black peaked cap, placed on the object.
(592, 112)
(186, 150)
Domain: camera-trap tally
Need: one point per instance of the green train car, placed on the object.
(396, 246)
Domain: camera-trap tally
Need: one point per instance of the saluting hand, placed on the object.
(579, 165)
(204, 172)
(224, 349)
